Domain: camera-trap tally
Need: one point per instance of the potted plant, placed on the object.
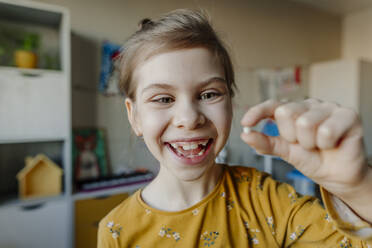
(25, 56)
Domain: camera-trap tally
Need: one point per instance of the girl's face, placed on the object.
(182, 109)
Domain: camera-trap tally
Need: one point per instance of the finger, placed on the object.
(285, 116)
(335, 127)
(259, 112)
(264, 144)
(278, 146)
(312, 101)
(307, 124)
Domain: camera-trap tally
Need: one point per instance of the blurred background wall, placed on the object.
(260, 34)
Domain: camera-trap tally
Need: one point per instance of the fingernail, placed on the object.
(246, 130)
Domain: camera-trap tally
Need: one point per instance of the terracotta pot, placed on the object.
(25, 59)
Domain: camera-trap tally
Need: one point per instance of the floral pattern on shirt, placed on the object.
(223, 194)
(270, 223)
(114, 229)
(251, 233)
(242, 177)
(295, 235)
(209, 238)
(293, 197)
(253, 238)
(328, 218)
(345, 243)
(195, 211)
(169, 233)
(229, 205)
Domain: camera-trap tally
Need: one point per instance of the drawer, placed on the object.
(88, 213)
(35, 226)
(34, 106)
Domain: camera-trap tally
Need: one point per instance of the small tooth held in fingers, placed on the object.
(246, 130)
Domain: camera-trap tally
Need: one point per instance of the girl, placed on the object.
(179, 82)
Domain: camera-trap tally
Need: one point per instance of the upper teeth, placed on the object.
(189, 145)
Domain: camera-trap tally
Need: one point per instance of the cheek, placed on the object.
(221, 117)
(153, 123)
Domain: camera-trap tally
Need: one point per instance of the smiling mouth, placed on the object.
(190, 150)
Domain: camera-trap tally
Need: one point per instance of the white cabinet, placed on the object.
(35, 117)
(348, 82)
(33, 107)
(36, 225)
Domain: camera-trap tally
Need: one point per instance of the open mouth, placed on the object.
(190, 150)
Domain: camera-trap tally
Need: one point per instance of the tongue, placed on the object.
(189, 152)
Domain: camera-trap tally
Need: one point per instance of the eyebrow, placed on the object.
(166, 86)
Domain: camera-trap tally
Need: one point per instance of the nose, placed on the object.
(188, 116)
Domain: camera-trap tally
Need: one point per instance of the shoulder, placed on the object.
(241, 174)
(249, 182)
(119, 214)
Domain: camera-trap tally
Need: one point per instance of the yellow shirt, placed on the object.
(247, 208)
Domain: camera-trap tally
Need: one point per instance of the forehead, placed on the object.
(185, 67)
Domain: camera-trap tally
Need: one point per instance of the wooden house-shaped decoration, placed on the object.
(40, 177)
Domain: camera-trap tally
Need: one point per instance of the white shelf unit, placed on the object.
(35, 117)
(347, 82)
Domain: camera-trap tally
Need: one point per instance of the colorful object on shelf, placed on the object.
(89, 153)
(276, 83)
(25, 56)
(25, 59)
(40, 177)
(109, 78)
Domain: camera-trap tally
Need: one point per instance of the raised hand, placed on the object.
(321, 139)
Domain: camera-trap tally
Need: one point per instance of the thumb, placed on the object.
(264, 144)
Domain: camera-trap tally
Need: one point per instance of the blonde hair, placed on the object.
(179, 29)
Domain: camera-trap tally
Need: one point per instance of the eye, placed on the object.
(209, 95)
(163, 100)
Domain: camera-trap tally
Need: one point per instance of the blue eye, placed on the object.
(209, 95)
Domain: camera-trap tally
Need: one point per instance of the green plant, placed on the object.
(30, 42)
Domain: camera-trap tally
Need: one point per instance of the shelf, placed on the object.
(108, 192)
(15, 201)
(46, 23)
(29, 72)
(28, 14)
(12, 157)
(26, 141)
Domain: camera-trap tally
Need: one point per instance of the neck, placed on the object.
(169, 193)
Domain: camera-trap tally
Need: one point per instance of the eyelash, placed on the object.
(215, 94)
(167, 99)
(161, 100)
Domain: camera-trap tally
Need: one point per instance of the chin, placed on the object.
(189, 174)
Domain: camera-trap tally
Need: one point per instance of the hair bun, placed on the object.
(145, 23)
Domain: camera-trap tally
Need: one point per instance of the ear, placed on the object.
(130, 105)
